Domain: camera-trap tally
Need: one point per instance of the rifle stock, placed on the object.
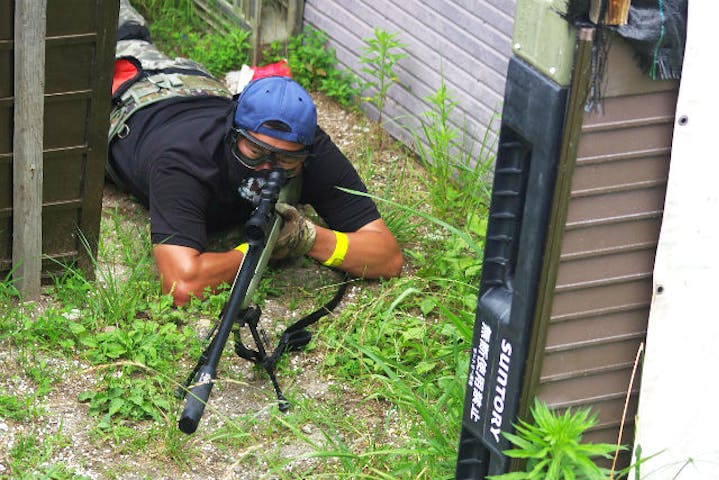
(262, 230)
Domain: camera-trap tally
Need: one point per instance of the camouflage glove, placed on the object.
(297, 235)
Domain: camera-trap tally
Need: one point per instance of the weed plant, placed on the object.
(16, 407)
(458, 180)
(552, 445)
(380, 59)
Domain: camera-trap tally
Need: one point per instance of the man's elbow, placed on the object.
(390, 267)
(181, 293)
(395, 264)
(181, 290)
(392, 263)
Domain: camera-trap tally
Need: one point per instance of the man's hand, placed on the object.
(297, 236)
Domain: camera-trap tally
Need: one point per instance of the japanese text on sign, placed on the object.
(478, 370)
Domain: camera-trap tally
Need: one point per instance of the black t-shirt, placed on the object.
(177, 160)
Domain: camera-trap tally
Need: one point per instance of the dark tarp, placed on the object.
(656, 29)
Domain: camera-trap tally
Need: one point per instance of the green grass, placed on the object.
(30, 455)
(392, 362)
(16, 407)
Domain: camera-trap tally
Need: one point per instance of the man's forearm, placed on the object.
(186, 272)
(372, 251)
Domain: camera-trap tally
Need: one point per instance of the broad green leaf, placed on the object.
(424, 367)
(427, 305)
(116, 405)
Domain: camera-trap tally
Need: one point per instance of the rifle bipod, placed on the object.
(261, 230)
(250, 317)
(199, 383)
(259, 356)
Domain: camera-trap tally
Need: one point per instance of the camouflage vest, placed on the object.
(151, 84)
(155, 85)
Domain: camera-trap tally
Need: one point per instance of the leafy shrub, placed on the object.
(220, 53)
(314, 65)
(145, 347)
(177, 30)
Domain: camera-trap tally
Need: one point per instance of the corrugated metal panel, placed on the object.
(604, 281)
(467, 42)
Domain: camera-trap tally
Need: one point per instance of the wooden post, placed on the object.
(29, 48)
(257, 32)
(295, 10)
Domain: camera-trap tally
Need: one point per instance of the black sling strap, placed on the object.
(296, 336)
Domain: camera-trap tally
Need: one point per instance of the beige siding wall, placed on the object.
(604, 282)
(465, 41)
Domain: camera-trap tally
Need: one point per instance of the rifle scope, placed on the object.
(258, 226)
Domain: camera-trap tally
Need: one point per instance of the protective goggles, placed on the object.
(260, 152)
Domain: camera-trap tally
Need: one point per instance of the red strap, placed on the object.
(124, 70)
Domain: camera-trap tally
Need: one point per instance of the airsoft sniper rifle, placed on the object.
(261, 230)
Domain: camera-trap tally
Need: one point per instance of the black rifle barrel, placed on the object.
(257, 228)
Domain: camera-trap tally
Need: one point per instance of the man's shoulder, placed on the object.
(328, 163)
(181, 128)
(184, 111)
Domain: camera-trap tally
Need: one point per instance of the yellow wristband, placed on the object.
(242, 248)
(338, 256)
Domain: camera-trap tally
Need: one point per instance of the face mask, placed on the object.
(251, 185)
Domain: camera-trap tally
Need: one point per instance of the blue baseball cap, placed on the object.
(277, 99)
